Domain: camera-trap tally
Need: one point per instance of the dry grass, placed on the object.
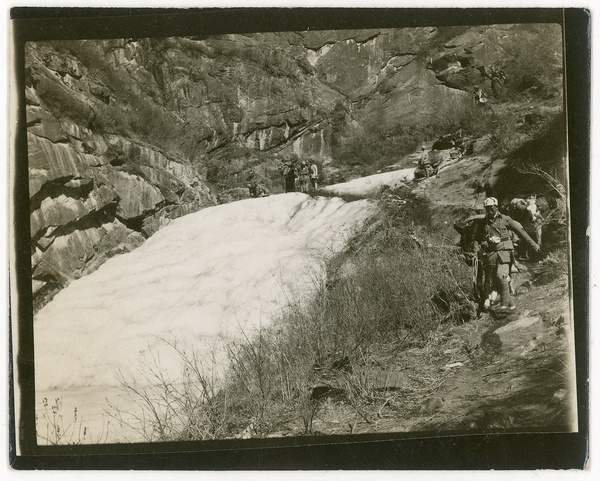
(394, 287)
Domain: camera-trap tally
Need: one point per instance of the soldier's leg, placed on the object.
(487, 283)
(502, 279)
(481, 293)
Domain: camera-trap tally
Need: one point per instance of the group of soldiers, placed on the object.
(489, 243)
(488, 240)
(304, 174)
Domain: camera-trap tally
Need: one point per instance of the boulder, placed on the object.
(100, 92)
(64, 210)
(64, 66)
(75, 254)
(522, 335)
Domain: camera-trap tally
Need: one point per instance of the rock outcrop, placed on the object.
(93, 194)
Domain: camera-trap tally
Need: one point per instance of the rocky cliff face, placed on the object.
(124, 135)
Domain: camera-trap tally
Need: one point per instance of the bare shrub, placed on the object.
(188, 407)
(56, 427)
(409, 282)
(395, 279)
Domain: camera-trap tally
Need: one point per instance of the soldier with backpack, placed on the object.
(493, 241)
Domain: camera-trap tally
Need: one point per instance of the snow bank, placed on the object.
(205, 276)
(373, 183)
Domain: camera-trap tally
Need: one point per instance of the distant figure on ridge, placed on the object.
(424, 162)
(314, 175)
(303, 177)
(478, 96)
(289, 174)
(498, 81)
(257, 189)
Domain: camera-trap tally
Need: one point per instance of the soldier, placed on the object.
(314, 174)
(303, 177)
(289, 174)
(257, 189)
(478, 96)
(424, 163)
(494, 243)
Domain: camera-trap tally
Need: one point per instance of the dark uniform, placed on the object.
(425, 163)
(289, 174)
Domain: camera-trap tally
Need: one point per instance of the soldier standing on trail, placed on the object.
(314, 175)
(424, 162)
(289, 173)
(498, 80)
(493, 242)
(303, 177)
(526, 212)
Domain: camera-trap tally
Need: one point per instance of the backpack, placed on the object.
(469, 230)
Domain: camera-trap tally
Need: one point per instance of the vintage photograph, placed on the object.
(300, 233)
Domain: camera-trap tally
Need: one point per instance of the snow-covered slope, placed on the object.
(373, 183)
(206, 276)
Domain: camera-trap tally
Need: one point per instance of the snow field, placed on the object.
(201, 279)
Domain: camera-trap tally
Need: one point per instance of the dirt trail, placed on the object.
(492, 374)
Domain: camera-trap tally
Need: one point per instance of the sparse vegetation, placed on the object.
(166, 409)
(378, 148)
(394, 287)
(373, 150)
(54, 426)
(533, 68)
